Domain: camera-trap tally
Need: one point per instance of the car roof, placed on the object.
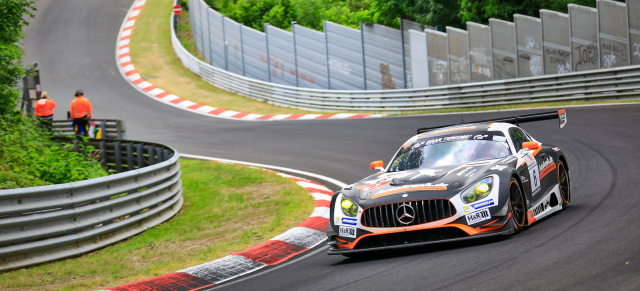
(466, 128)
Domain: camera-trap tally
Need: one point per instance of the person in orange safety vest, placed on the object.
(44, 110)
(80, 113)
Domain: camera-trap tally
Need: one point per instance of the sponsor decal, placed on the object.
(409, 188)
(498, 168)
(464, 171)
(389, 176)
(345, 231)
(499, 138)
(366, 187)
(529, 159)
(478, 216)
(483, 204)
(539, 209)
(426, 172)
(441, 140)
(349, 221)
(480, 136)
(547, 166)
(555, 149)
(471, 173)
(546, 162)
(454, 129)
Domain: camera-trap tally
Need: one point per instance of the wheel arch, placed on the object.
(564, 161)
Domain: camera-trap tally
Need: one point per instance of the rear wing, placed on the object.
(561, 115)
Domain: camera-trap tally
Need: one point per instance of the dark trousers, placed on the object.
(45, 122)
(81, 125)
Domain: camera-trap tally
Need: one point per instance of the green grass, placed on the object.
(29, 158)
(227, 209)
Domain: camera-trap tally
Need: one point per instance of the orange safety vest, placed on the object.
(80, 106)
(44, 107)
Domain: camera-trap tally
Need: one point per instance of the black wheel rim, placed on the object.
(517, 205)
(563, 181)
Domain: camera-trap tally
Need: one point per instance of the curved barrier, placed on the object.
(605, 84)
(40, 224)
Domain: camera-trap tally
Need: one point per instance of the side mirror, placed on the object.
(377, 165)
(531, 145)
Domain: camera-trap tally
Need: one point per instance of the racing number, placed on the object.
(534, 175)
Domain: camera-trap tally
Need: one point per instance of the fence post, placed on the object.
(159, 154)
(151, 152)
(266, 37)
(122, 129)
(326, 49)
(118, 156)
(129, 157)
(140, 154)
(404, 58)
(103, 154)
(224, 42)
(242, 49)
(103, 128)
(364, 64)
(295, 52)
(209, 38)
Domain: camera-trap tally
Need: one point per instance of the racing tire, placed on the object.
(564, 184)
(517, 207)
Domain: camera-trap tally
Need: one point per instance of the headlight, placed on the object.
(479, 191)
(348, 207)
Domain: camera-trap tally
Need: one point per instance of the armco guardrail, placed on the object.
(606, 84)
(46, 223)
(111, 128)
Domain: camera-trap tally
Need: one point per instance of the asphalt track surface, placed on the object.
(593, 245)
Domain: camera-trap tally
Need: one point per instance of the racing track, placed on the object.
(595, 244)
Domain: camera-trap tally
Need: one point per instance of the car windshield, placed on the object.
(450, 150)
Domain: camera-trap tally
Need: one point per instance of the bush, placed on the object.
(29, 158)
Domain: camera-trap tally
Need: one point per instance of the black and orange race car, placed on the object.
(453, 183)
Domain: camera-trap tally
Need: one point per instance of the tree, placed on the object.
(436, 12)
(11, 53)
(481, 10)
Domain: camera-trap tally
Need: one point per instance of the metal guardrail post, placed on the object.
(151, 155)
(117, 156)
(159, 155)
(140, 155)
(103, 128)
(130, 157)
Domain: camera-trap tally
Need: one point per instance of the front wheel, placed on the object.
(517, 208)
(564, 184)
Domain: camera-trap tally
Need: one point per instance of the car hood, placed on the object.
(428, 183)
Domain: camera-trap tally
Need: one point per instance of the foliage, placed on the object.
(11, 24)
(281, 13)
(481, 10)
(29, 158)
(311, 13)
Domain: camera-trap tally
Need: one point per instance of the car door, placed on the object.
(528, 171)
(539, 166)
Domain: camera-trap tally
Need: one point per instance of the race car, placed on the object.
(453, 183)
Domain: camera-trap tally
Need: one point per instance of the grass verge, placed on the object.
(227, 209)
(154, 59)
